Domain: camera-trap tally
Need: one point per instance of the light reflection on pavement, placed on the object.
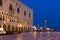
(32, 36)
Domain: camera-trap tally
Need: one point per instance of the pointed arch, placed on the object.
(0, 2)
(10, 7)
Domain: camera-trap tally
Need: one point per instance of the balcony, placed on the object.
(11, 11)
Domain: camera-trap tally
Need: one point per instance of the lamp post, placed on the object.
(45, 25)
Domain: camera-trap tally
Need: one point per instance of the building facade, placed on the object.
(15, 16)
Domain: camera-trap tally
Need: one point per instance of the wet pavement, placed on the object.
(32, 36)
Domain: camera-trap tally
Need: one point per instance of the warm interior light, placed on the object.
(20, 25)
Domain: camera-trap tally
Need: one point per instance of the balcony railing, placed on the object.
(11, 11)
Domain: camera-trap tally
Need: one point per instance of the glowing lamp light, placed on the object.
(20, 25)
(41, 28)
(34, 28)
(1, 29)
(48, 28)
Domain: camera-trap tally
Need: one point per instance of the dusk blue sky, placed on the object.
(49, 9)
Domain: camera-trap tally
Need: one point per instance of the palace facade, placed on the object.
(15, 16)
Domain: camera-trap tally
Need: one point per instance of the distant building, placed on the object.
(15, 16)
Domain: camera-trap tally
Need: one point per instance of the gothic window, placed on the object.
(0, 18)
(29, 15)
(0, 2)
(25, 13)
(10, 7)
(18, 10)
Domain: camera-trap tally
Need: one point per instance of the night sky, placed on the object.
(49, 9)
